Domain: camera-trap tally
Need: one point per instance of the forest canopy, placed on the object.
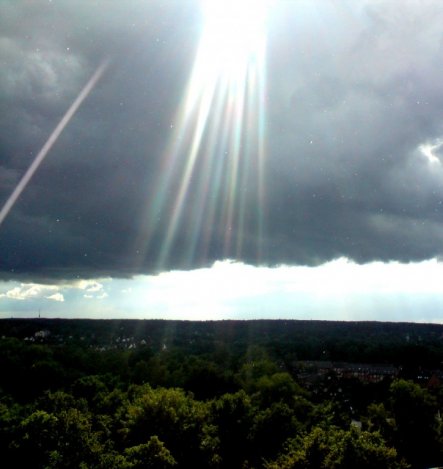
(260, 394)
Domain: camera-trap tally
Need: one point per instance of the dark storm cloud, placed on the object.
(364, 97)
(354, 96)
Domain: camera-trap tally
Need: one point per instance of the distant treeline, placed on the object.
(408, 344)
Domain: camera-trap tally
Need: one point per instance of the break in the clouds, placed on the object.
(339, 289)
(334, 150)
(29, 298)
(28, 291)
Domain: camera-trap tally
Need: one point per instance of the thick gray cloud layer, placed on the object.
(354, 118)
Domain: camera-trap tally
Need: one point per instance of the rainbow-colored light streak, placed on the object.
(217, 149)
(38, 160)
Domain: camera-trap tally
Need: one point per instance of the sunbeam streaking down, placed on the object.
(217, 150)
(51, 140)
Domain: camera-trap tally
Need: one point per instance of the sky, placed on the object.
(221, 160)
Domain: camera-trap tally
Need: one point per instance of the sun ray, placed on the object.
(217, 148)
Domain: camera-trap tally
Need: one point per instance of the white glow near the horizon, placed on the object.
(337, 290)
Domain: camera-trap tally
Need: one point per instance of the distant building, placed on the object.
(44, 334)
(370, 373)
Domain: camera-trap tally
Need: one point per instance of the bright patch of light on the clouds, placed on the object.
(428, 151)
(56, 297)
(91, 289)
(90, 286)
(27, 291)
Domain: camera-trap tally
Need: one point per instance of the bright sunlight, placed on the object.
(218, 138)
(235, 31)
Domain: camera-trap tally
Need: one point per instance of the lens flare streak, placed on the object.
(21, 186)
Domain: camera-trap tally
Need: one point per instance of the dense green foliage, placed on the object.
(158, 394)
